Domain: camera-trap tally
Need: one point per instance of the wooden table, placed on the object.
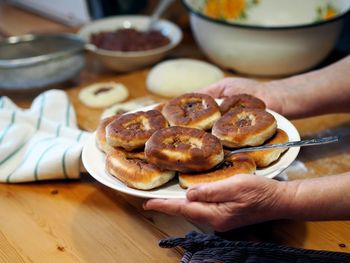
(85, 221)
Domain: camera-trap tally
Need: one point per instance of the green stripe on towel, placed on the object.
(79, 136)
(2, 102)
(67, 113)
(58, 130)
(11, 154)
(42, 104)
(64, 166)
(25, 158)
(13, 117)
(36, 170)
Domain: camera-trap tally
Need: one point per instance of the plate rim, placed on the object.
(121, 187)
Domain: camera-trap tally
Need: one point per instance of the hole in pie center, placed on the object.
(178, 141)
(138, 124)
(102, 90)
(134, 126)
(137, 160)
(191, 107)
(245, 120)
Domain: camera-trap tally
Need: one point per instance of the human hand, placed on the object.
(226, 204)
(265, 91)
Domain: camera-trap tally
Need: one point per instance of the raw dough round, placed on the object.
(103, 94)
(172, 78)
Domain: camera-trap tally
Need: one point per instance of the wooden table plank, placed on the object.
(67, 221)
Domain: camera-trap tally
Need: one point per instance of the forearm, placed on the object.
(318, 92)
(325, 198)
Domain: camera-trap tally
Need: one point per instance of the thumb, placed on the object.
(214, 90)
(219, 191)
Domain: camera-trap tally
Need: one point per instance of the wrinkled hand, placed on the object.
(231, 203)
(234, 85)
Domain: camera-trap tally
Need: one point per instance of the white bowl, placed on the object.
(271, 37)
(128, 61)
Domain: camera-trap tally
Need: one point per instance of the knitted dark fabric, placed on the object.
(213, 249)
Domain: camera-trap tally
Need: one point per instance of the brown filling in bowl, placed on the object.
(129, 39)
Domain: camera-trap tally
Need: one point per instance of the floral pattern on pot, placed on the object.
(325, 12)
(228, 9)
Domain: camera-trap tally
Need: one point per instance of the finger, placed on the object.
(168, 206)
(215, 90)
(193, 211)
(203, 213)
(219, 191)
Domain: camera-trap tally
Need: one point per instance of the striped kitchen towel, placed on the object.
(40, 143)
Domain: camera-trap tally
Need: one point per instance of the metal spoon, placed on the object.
(161, 7)
(311, 142)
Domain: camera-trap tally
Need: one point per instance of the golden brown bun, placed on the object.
(234, 164)
(183, 149)
(241, 101)
(266, 157)
(101, 134)
(245, 127)
(133, 170)
(192, 110)
(131, 131)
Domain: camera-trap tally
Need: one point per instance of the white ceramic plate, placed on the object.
(94, 162)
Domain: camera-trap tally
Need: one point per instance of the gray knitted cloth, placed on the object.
(210, 248)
